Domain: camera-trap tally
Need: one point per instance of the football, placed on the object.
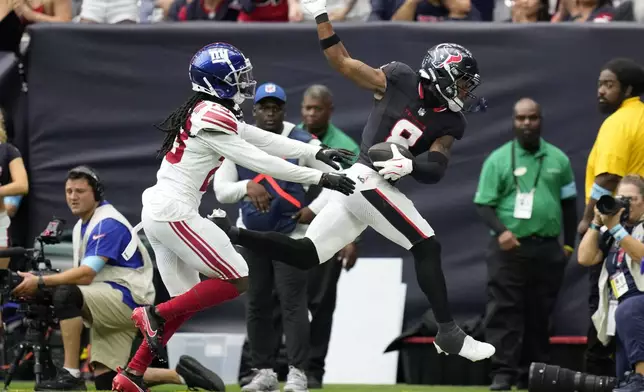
(382, 152)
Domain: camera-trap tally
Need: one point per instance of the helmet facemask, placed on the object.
(454, 86)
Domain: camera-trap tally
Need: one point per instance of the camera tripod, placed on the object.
(34, 342)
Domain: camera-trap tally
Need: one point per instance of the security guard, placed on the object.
(618, 150)
(525, 188)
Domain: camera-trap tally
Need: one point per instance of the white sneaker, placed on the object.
(296, 381)
(472, 349)
(264, 381)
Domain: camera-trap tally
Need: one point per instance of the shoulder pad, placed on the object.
(397, 73)
(212, 117)
(300, 135)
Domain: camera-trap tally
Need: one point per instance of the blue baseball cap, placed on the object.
(270, 90)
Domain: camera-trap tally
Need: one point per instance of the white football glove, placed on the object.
(314, 7)
(396, 167)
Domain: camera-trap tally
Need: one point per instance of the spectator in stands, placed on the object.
(436, 11)
(317, 108)
(618, 149)
(338, 10)
(384, 9)
(269, 11)
(36, 11)
(13, 182)
(106, 283)
(187, 10)
(630, 11)
(109, 11)
(526, 189)
(615, 243)
(600, 11)
(267, 204)
(529, 11)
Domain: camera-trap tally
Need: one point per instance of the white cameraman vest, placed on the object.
(139, 280)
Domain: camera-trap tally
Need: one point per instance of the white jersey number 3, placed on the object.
(404, 132)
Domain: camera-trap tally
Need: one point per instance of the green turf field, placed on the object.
(27, 386)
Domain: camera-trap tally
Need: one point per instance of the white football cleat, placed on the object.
(472, 349)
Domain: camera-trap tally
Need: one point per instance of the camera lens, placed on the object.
(550, 378)
(607, 205)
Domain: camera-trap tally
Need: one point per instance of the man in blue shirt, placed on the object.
(108, 280)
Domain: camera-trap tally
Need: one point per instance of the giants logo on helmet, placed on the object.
(218, 55)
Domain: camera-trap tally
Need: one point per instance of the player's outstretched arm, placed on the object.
(247, 155)
(360, 73)
(277, 145)
(284, 147)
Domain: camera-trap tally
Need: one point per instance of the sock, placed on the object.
(74, 372)
(203, 295)
(277, 246)
(143, 357)
(450, 337)
(431, 280)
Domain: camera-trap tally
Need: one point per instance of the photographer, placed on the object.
(620, 245)
(13, 182)
(106, 283)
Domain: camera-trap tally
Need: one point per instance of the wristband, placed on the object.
(597, 191)
(330, 41)
(322, 18)
(41, 282)
(618, 232)
(569, 248)
(594, 226)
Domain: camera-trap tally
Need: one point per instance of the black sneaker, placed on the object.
(197, 376)
(63, 381)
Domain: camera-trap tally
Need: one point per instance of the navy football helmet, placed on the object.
(451, 71)
(221, 70)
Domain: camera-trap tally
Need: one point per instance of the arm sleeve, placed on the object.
(568, 185)
(277, 145)
(247, 155)
(319, 202)
(430, 170)
(228, 188)
(12, 152)
(488, 215)
(106, 238)
(612, 144)
(313, 163)
(569, 212)
(487, 192)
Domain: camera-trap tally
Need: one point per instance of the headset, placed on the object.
(92, 178)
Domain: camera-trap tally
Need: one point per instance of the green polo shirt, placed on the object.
(335, 138)
(497, 187)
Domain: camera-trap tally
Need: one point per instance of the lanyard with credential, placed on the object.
(516, 180)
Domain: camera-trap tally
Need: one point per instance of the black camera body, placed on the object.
(609, 205)
(36, 264)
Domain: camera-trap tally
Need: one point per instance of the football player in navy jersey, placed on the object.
(420, 110)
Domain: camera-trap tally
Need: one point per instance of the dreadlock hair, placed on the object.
(177, 119)
(629, 73)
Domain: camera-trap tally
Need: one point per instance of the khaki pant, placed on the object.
(112, 332)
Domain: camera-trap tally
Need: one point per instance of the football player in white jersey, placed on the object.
(203, 132)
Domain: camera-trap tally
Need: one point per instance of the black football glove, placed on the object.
(332, 155)
(337, 182)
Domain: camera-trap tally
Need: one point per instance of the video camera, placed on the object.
(550, 378)
(609, 205)
(37, 264)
